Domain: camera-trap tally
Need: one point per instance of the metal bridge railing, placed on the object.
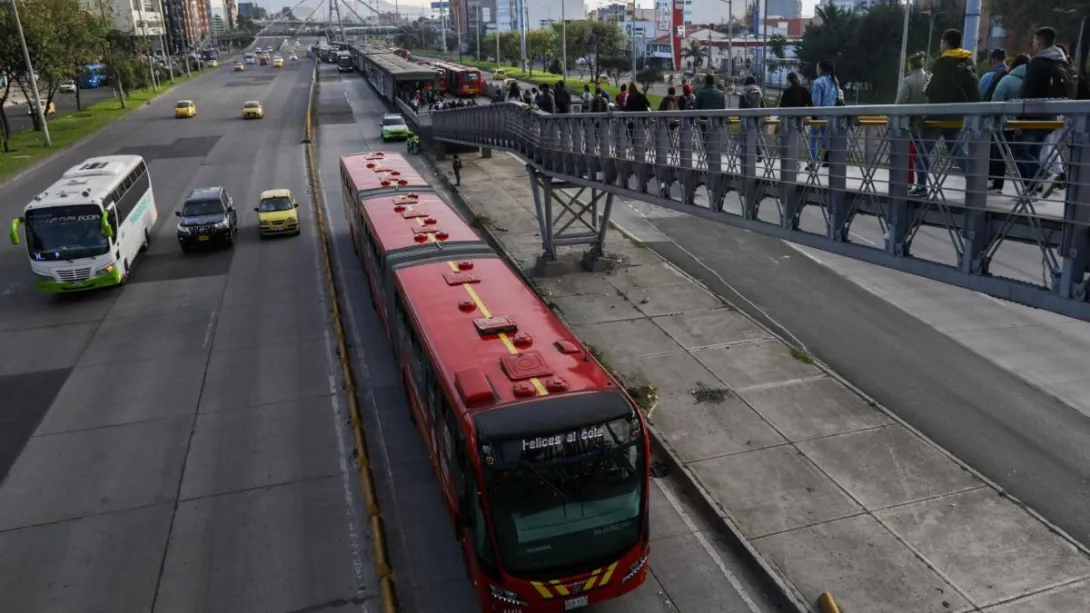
(968, 176)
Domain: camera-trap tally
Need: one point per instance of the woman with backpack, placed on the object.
(826, 92)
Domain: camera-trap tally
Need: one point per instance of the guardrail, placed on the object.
(807, 179)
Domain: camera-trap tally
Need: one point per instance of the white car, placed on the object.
(292, 58)
(67, 87)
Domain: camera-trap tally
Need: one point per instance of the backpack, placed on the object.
(994, 85)
(1064, 82)
(966, 82)
(750, 100)
(671, 103)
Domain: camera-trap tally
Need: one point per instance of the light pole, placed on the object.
(730, 39)
(904, 43)
(163, 38)
(478, 11)
(564, 40)
(30, 75)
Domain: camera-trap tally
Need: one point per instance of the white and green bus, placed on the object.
(85, 230)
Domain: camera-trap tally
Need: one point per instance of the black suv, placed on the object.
(208, 217)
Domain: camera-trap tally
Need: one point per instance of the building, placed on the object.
(175, 26)
(516, 15)
(137, 17)
(231, 12)
(219, 24)
(787, 9)
(246, 9)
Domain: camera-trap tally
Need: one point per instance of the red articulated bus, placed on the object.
(542, 458)
(460, 80)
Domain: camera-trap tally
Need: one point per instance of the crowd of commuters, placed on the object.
(1048, 73)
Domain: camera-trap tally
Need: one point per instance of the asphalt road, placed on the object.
(1022, 438)
(179, 444)
(692, 568)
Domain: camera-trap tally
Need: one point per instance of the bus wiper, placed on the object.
(548, 484)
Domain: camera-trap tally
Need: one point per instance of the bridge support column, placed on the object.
(486, 153)
(567, 219)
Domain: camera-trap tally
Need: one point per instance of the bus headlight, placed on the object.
(632, 572)
(105, 270)
(506, 596)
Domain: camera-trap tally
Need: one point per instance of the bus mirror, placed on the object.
(107, 231)
(15, 230)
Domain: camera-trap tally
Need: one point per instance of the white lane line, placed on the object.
(210, 330)
(703, 540)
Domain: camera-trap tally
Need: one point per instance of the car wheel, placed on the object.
(147, 240)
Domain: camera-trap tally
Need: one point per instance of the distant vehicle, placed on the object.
(93, 76)
(264, 60)
(85, 230)
(210, 54)
(344, 62)
(394, 128)
(277, 213)
(239, 67)
(460, 80)
(50, 109)
(249, 58)
(185, 109)
(208, 217)
(278, 62)
(253, 110)
(67, 87)
(293, 58)
(212, 63)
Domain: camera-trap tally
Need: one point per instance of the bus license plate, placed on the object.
(202, 238)
(575, 603)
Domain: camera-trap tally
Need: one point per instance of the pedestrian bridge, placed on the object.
(753, 169)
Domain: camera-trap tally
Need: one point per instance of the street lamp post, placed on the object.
(30, 75)
(163, 39)
(730, 39)
(904, 43)
(564, 40)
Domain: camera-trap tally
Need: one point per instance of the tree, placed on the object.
(539, 43)
(694, 53)
(509, 46)
(1022, 17)
(613, 66)
(11, 68)
(777, 44)
(649, 76)
(600, 39)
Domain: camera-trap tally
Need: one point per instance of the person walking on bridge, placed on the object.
(953, 80)
(825, 93)
(911, 91)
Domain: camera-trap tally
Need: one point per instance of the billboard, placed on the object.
(440, 6)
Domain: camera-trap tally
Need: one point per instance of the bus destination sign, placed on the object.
(583, 435)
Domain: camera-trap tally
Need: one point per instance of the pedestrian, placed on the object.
(825, 93)
(636, 101)
(585, 98)
(752, 96)
(1049, 74)
(457, 166)
(991, 79)
(911, 91)
(669, 101)
(622, 98)
(953, 80)
(795, 96)
(710, 97)
(687, 101)
(1008, 88)
(563, 97)
(599, 104)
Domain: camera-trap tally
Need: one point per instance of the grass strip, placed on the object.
(27, 146)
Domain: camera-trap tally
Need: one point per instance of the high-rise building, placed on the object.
(175, 25)
(246, 9)
(137, 17)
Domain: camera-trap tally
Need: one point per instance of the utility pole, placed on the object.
(972, 27)
(904, 43)
(523, 13)
(564, 40)
(478, 11)
(163, 39)
(30, 75)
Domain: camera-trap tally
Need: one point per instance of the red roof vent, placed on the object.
(411, 213)
(399, 207)
(522, 340)
(474, 387)
(402, 182)
(431, 221)
(370, 164)
(465, 265)
(442, 236)
(495, 325)
(467, 306)
(567, 347)
(523, 389)
(526, 365)
(396, 173)
(385, 184)
(556, 384)
(458, 278)
(421, 238)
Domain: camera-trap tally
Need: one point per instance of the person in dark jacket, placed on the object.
(795, 96)
(953, 80)
(636, 102)
(1046, 76)
(710, 97)
(548, 100)
(563, 97)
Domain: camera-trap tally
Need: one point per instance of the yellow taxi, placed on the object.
(277, 213)
(500, 73)
(239, 67)
(252, 109)
(212, 63)
(278, 62)
(185, 108)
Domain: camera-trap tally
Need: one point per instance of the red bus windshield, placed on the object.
(561, 501)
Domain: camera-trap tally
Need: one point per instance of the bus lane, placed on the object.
(692, 568)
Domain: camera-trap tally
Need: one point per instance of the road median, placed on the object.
(826, 490)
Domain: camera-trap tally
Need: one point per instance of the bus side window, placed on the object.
(482, 539)
(455, 449)
(112, 217)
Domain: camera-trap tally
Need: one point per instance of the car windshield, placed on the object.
(66, 232)
(280, 203)
(253, 105)
(183, 105)
(567, 499)
(393, 122)
(199, 208)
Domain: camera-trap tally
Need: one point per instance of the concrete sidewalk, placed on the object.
(831, 490)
